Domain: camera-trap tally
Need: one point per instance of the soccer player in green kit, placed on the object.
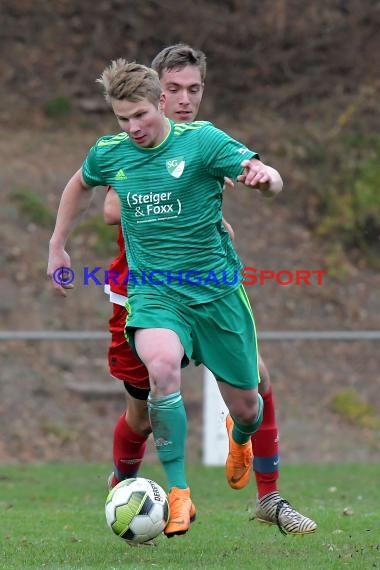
(185, 296)
(182, 73)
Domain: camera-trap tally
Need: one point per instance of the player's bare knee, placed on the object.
(164, 375)
(163, 367)
(245, 410)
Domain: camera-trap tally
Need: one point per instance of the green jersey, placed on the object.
(171, 209)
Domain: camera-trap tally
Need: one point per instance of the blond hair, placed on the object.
(130, 81)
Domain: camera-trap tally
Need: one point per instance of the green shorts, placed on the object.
(220, 334)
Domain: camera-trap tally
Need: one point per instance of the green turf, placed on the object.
(52, 517)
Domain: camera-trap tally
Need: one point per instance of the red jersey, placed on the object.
(116, 284)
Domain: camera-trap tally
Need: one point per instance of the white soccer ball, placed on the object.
(137, 510)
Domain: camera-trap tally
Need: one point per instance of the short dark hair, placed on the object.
(178, 56)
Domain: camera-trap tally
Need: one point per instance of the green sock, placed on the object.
(169, 425)
(241, 433)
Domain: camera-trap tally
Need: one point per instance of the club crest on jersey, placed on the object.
(175, 166)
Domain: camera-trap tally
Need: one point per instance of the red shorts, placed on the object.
(122, 362)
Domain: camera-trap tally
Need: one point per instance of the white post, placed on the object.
(215, 440)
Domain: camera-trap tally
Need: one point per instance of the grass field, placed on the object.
(52, 517)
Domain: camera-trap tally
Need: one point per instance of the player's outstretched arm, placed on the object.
(74, 201)
(261, 177)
